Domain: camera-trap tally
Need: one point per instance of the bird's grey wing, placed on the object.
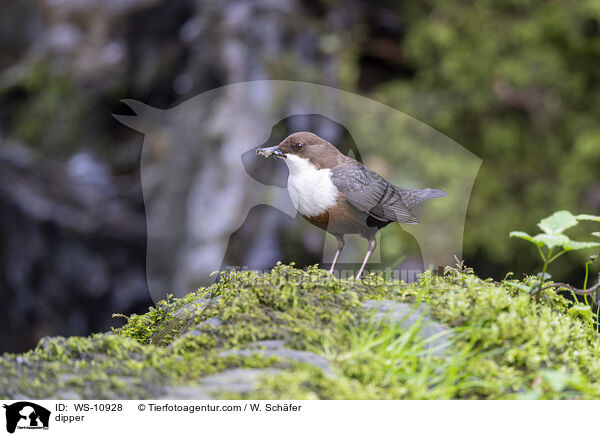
(368, 191)
(413, 197)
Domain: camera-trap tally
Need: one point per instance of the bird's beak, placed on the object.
(270, 151)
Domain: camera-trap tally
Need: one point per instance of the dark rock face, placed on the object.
(71, 252)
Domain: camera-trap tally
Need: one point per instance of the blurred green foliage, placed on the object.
(56, 101)
(517, 83)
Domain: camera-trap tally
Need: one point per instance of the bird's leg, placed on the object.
(372, 245)
(340, 240)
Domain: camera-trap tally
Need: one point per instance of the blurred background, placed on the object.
(515, 82)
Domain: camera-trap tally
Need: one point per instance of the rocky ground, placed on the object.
(295, 334)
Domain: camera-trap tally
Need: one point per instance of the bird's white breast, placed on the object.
(311, 189)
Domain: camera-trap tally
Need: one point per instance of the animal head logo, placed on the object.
(212, 203)
(25, 414)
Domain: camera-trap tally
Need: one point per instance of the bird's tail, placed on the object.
(413, 197)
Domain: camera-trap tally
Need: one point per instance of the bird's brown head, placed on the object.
(308, 146)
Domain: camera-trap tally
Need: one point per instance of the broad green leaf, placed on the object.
(551, 241)
(530, 394)
(596, 234)
(558, 380)
(525, 236)
(558, 222)
(582, 311)
(577, 245)
(519, 286)
(544, 277)
(584, 217)
(517, 234)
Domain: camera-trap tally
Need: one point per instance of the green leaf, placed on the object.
(585, 217)
(530, 394)
(550, 241)
(558, 222)
(577, 245)
(582, 311)
(518, 234)
(525, 236)
(519, 286)
(544, 277)
(553, 241)
(596, 234)
(558, 380)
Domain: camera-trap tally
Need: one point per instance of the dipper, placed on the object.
(340, 195)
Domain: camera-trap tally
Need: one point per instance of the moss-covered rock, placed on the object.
(304, 334)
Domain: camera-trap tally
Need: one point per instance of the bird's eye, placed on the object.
(298, 146)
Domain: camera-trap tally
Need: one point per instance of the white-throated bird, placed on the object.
(339, 194)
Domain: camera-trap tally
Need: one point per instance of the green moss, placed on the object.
(501, 343)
